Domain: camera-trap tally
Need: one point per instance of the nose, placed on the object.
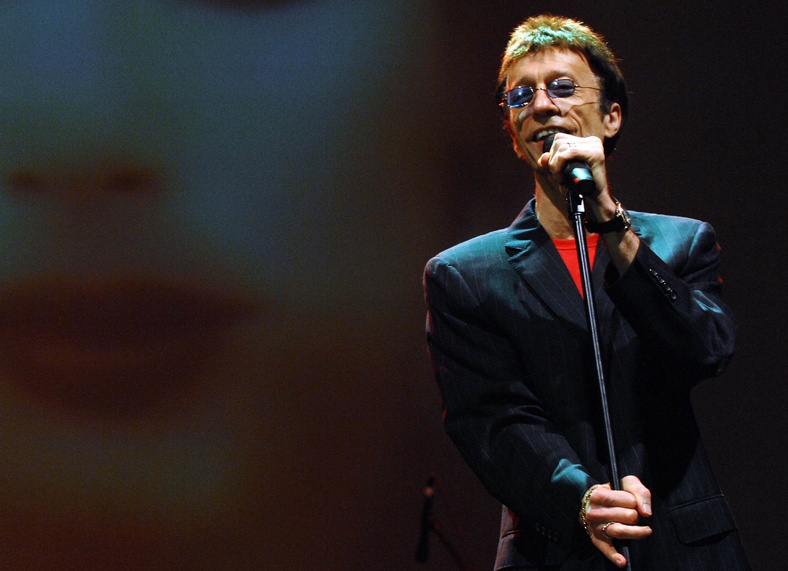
(543, 104)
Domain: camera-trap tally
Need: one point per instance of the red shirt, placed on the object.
(568, 253)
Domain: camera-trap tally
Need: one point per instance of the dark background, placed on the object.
(704, 140)
(378, 143)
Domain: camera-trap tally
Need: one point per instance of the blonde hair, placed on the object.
(543, 32)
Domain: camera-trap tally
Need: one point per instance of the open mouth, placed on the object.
(113, 347)
(542, 134)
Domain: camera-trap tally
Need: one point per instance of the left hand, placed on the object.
(587, 149)
(601, 206)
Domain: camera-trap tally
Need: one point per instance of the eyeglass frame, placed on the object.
(504, 97)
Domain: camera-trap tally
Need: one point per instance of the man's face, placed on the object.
(579, 115)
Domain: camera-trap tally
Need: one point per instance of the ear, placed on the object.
(613, 120)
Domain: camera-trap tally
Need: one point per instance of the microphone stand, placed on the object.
(576, 211)
(437, 528)
(431, 524)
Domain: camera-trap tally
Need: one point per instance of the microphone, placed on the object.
(576, 174)
(423, 547)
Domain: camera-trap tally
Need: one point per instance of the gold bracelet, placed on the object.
(585, 505)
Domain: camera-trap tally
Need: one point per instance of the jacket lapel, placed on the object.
(535, 258)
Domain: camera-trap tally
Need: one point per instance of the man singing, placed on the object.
(509, 340)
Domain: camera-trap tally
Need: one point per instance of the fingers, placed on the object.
(611, 530)
(615, 515)
(552, 159)
(602, 538)
(607, 524)
(567, 147)
(634, 486)
(589, 150)
(610, 552)
(633, 495)
(626, 516)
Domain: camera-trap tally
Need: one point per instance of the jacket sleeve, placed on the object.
(495, 420)
(671, 296)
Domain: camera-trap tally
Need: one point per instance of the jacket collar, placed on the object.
(535, 258)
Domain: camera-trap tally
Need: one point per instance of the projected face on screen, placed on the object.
(186, 189)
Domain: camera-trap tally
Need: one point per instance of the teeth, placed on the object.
(542, 134)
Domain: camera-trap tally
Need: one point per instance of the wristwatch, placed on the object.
(621, 221)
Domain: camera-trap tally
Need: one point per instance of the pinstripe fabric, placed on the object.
(508, 340)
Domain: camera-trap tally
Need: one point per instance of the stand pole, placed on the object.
(576, 211)
(431, 524)
(437, 529)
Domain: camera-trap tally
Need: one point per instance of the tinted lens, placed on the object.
(519, 96)
(561, 88)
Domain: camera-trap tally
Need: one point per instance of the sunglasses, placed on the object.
(557, 89)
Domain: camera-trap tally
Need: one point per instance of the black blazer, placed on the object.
(508, 339)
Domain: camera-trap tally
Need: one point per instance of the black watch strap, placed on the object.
(618, 223)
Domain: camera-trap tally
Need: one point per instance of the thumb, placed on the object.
(634, 486)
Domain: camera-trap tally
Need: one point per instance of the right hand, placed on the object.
(615, 514)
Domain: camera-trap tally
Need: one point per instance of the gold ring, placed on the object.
(603, 529)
